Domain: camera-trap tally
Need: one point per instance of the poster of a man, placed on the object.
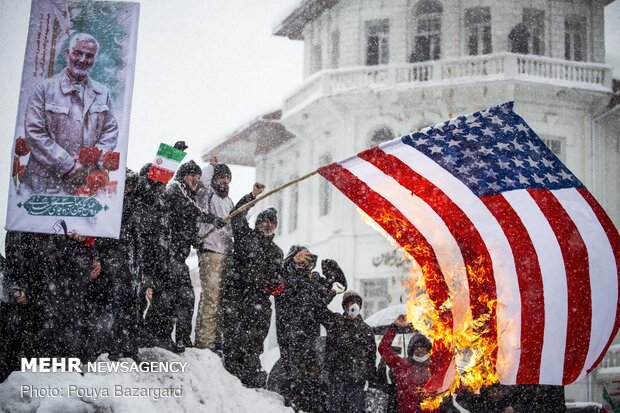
(65, 115)
(72, 125)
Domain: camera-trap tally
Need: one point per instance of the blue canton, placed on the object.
(493, 151)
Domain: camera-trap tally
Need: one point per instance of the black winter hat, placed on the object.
(220, 170)
(131, 178)
(188, 168)
(418, 338)
(351, 297)
(270, 214)
(180, 145)
(144, 171)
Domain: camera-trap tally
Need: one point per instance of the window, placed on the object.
(575, 37)
(380, 135)
(555, 144)
(293, 207)
(377, 42)
(316, 63)
(325, 190)
(478, 30)
(427, 41)
(375, 293)
(335, 49)
(534, 20)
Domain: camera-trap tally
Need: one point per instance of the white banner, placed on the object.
(70, 145)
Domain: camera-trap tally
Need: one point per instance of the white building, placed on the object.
(377, 69)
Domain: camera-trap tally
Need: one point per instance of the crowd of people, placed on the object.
(78, 296)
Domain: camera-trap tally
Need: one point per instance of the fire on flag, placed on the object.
(518, 260)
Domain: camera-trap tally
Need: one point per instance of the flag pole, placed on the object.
(259, 198)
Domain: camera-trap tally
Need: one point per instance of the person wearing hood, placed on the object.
(185, 214)
(254, 275)
(305, 294)
(412, 372)
(214, 248)
(152, 236)
(349, 354)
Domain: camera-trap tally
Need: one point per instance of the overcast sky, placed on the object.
(204, 67)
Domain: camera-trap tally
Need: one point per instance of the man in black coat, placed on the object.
(150, 219)
(349, 354)
(184, 215)
(305, 293)
(254, 275)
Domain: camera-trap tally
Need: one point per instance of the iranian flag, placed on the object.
(166, 163)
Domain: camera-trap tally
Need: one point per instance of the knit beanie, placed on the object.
(219, 171)
(188, 168)
(270, 214)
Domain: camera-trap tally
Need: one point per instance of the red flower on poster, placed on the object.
(89, 156)
(111, 160)
(83, 190)
(21, 147)
(97, 180)
(112, 186)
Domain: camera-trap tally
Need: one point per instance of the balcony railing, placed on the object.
(560, 72)
(612, 358)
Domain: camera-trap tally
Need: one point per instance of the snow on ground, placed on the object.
(206, 387)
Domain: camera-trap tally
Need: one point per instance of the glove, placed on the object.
(338, 288)
(333, 273)
(180, 145)
(219, 223)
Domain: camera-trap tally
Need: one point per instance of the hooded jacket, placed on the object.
(150, 220)
(185, 215)
(349, 348)
(410, 376)
(219, 240)
(305, 294)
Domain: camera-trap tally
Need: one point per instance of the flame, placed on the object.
(472, 342)
(472, 346)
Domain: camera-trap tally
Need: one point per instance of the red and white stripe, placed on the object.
(551, 258)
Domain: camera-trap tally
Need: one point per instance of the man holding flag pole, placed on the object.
(538, 256)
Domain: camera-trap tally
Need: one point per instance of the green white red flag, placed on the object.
(166, 163)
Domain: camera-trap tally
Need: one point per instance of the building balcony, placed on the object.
(609, 369)
(499, 66)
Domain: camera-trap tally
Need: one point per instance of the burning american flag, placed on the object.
(508, 240)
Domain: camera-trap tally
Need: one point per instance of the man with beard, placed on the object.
(185, 214)
(64, 114)
(214, 248)
(255, 274)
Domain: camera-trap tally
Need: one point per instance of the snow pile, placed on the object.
(205, 385)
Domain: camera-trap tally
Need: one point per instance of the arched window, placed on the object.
(380, 135)
(427, 38)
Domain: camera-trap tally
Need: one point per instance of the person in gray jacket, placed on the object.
(64, 114)
(214, 249)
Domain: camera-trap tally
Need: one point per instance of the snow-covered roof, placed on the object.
(292, 25)
(258, 136)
